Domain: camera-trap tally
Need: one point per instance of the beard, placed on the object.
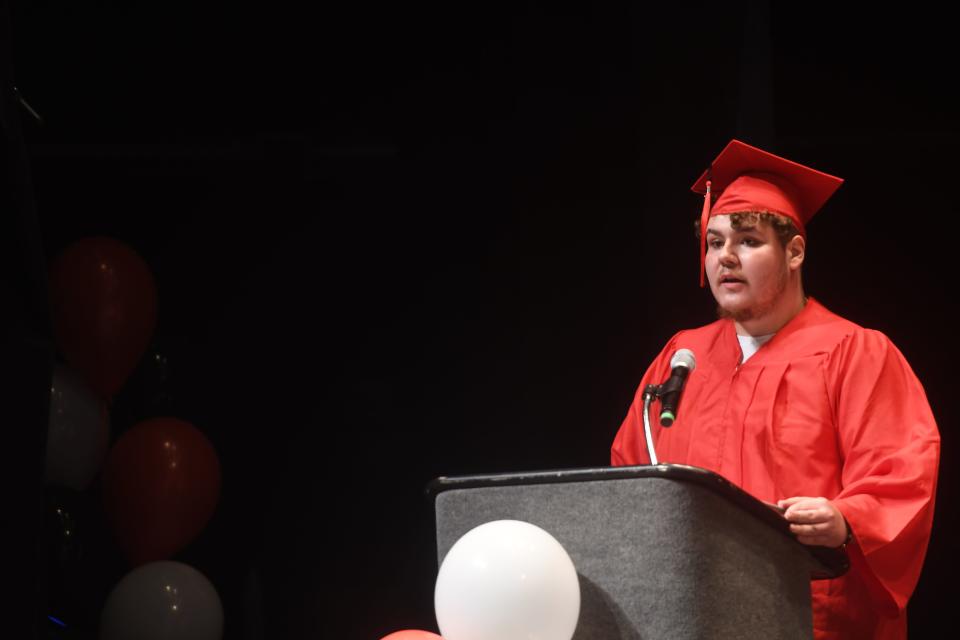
(759, 308)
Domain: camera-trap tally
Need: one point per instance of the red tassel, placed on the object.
(704, 219)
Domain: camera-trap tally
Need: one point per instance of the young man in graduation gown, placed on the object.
(797, 405)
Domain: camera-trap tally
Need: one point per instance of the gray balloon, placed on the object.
(162, 601)
(78, 432)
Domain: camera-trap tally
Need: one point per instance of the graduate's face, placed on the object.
(748, 268)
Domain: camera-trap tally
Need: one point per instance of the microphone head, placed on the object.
(683, 358)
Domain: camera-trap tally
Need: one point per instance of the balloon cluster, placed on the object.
(504, 580)
(159, 482)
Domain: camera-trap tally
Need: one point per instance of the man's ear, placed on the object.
(796, 250)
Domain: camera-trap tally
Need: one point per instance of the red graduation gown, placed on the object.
(825, 408)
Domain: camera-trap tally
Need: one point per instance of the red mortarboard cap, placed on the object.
(749, 179)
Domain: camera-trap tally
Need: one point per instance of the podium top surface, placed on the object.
(834, 561)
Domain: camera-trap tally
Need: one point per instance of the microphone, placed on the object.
(681, 364)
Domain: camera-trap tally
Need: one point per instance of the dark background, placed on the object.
(398, 242)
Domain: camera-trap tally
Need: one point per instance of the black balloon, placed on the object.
(63, 546)
(63, 553)
(147, 392)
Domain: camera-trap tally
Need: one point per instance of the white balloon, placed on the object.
(162, 601)
(507, 580)
(78, 432)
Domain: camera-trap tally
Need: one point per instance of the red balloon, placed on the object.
(412, 634)
(104, 304)
(161, 483)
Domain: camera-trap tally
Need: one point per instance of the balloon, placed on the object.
(507, 580)
(161, 483)
(75, 581)
(104, 304)
(162, 601)
(412, 634)
(78, 432)
(61, 526)
(62, 542)
(147, 392)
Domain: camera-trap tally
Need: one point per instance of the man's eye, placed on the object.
(751, 242)
(715, 244)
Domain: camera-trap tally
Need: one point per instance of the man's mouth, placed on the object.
(729, 279)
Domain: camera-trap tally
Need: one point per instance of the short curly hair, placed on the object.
(782, 225)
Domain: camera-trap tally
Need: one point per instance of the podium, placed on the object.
(666, 551)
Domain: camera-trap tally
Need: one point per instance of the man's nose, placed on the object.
(727, 254)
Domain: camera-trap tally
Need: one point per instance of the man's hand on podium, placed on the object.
(815, 521)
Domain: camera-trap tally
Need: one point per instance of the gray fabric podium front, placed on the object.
(667, 551)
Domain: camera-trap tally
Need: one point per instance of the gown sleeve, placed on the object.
(891, 449)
